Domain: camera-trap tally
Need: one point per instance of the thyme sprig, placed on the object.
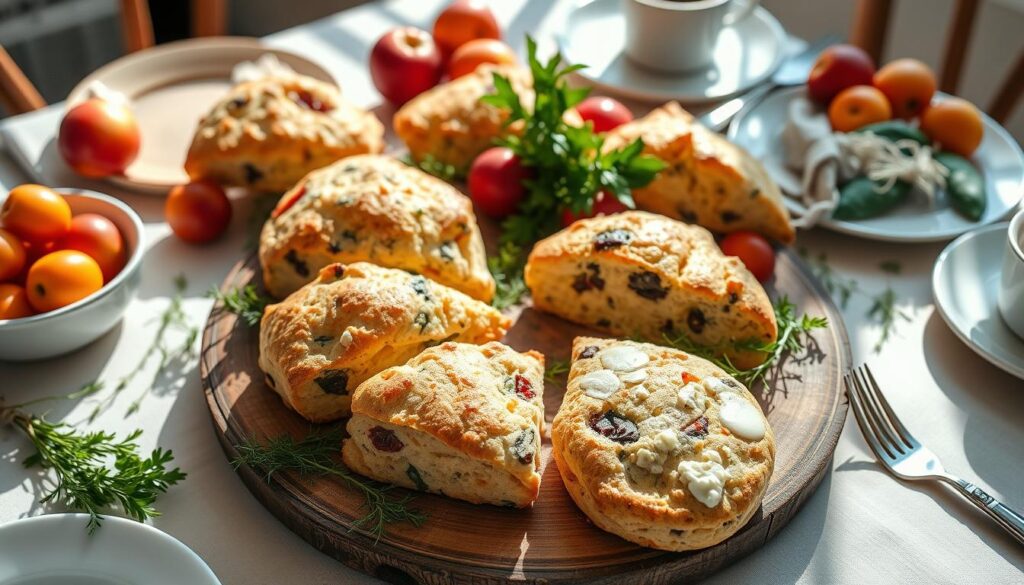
(430, 165)
(555, 369)
(315, 455)
(246, 302)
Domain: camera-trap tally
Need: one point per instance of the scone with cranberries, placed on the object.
(660, 447)
(267, 134)
(459, 420)
(354, 321)
(640, 274)
(377, 209)
(709, 181)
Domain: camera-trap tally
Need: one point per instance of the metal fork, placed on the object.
(908, 459)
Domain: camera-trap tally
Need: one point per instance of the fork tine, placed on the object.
(866, 428)
(895, 420)
(885, 430)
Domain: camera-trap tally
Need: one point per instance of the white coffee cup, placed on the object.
(1011, 283)
(679, 35)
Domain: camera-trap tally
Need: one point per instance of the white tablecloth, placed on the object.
(861, 526)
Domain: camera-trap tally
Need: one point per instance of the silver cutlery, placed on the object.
(903, 456)
(793, 71)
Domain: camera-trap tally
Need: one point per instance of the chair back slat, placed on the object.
(209, 18)
(17, 94)
(957, 40)
(871, 26)
(136, 25)
(1010, 92)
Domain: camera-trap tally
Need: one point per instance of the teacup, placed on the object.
(679, 35)
(1011, 285)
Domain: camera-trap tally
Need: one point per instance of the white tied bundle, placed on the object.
(266, 67)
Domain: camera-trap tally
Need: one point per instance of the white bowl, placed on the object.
(71, 327)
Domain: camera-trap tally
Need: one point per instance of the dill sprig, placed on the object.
(315, 455)
(555, 369)
(793, 330)
(245, 302)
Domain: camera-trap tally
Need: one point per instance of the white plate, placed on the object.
(999, 158)
(746, 54)
(965, 282)
(171, 87)
(56, 549)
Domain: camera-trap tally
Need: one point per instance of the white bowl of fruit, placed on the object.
(69, 265)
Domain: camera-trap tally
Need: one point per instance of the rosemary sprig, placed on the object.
(245, 302)
(555, 369)
(507, 269)
(885, 311)
(315, 455)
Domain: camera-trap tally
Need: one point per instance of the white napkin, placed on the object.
(267, 66)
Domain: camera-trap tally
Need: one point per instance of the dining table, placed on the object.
(861, 525)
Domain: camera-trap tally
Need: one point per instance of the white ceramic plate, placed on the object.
(56, 549)
(746, 54)
(965, 282)
(171, 87)
(999, 158)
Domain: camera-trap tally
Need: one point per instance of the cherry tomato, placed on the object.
(36, 214)
(61, 278)
(755, 252)
(13, 302)
(99, 137)
(12, 255)
(604, 112)
(198, 212)
(496, 181)
(98, 237)
(604, 204)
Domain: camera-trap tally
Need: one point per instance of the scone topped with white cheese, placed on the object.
(460, 420)
(660, 447)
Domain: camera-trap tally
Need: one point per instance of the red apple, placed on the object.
(604, 204)
(496, 181)
(837, 68)
(404, 63)
(99, 138)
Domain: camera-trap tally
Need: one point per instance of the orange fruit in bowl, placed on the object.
(858, 106)
(35, 213)
(909, 86)
(475, 53)
(13, 302)
(955, 125)
(61, 278)
(12, 255)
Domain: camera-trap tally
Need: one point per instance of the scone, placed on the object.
(709, 180)
(353, 321)
(660, 447)
(459, 420)
(374, 208)
(641, 274)
(267, 134)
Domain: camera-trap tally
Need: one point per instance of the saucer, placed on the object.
(747, 53)
(965, 283)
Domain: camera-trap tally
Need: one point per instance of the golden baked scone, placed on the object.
(641, 274)
(268, 134)
(374, 208)
(353, 321)
(459, 420)
(709, 180)
(660, 447)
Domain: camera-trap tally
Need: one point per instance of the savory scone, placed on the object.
(353, 321)
(709, 180)
(377, 209)
(459, 420)
(267, 134)
(641, 274)
(660, 447)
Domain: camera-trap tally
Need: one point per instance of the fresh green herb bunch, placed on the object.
(246, 302)
(567, 163)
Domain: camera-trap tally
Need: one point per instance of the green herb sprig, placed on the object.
(246, 302)
(430, 165)
(568, 164)
(315, 455)
(555, 369)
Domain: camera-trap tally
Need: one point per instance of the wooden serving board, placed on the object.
(553, 542)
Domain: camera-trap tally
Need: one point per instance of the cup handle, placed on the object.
(739, 10)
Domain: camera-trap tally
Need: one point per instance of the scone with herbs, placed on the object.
(354, 321)
(660, 447)
(709, 180)
(641, 274)
(459, 420)
(267, 134)
(377, 209)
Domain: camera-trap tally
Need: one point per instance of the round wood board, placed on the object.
(553, 542)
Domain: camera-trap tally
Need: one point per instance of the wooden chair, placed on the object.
(871, 27)
(18, 95)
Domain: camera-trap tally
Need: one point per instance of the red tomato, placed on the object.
(198, 212)
(604, 204)
(98, 237)
(35, 214)
(604, 112)
(496, 181)
(99, 138)
(755, 252)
